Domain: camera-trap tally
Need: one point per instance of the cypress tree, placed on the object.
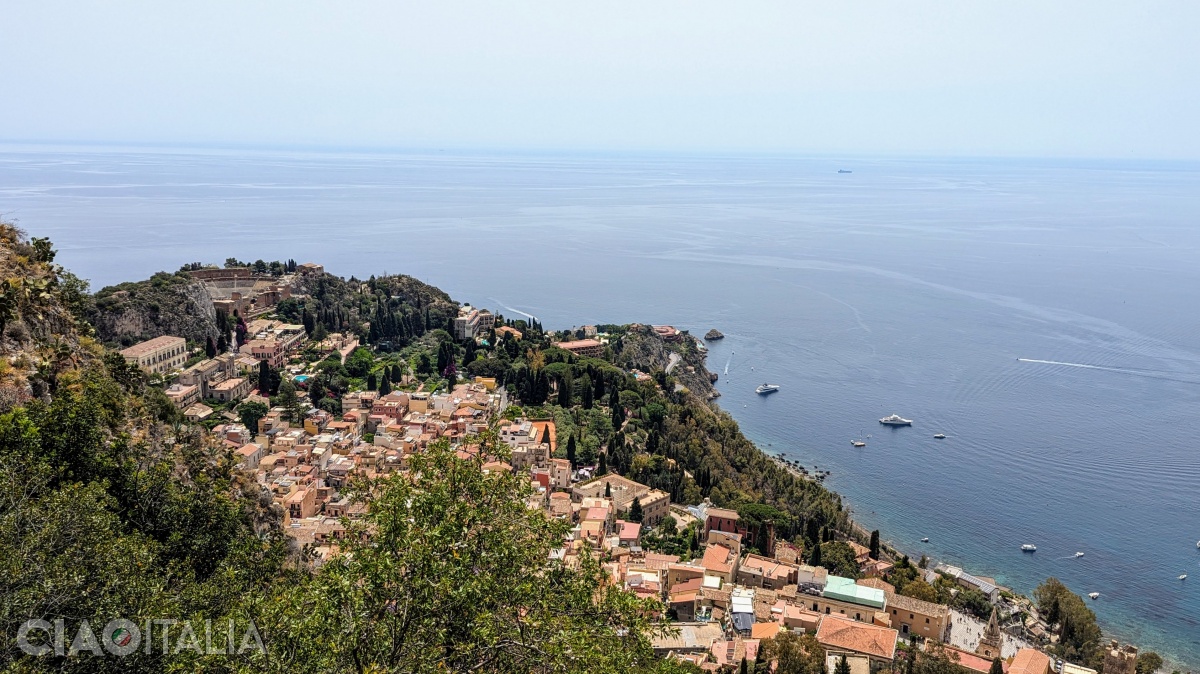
(607, 490)
(874, 553)
(588, 394)
(635, 510)
(843, 667)
(264, 378)
(997, 666)
(603, 464)
(564, 389)
(222, 342)
(814, 559)
(385, 387)
(371, 383)
(571, 451)
(210, 349)
(397, 374)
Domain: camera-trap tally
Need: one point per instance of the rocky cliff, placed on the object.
(164, 304)
(682, 360)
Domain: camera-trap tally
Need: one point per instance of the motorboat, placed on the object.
(895, 420)
(766, 388)
(1029, 547)
(1094, 595)
(939, 436)
(858, 443)
(924, 540)
(1183, 576)
(1078, 554)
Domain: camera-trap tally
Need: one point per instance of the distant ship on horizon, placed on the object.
(844, 171)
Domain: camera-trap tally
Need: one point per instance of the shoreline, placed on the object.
(862, 534)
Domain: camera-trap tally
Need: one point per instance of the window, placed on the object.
(927, 621)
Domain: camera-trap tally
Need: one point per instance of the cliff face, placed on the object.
(164, 304)
(682, 360)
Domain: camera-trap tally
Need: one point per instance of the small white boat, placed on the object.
(1183, 576)
(1029, 547)
(1094, 595)
(895, 420)
(858, 443)
(924, 540)
(1078, 554)
(939, 436)
(1198, 544)
(766, 388)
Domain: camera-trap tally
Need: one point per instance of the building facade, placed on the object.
(158, 355)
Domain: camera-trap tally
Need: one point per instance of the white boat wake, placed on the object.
(512, 309)
(1154, 374)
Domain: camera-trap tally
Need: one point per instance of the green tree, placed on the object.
(814, 557)
(607, 490)
(371, 383)
(210, 347)
(359, 362)
(793, 653)
(843, 667)
(997, 666)
(385, 387)
(839, 558)
(874, 547)
(565, 389)
(447, 571)
(919, 589)
(250, 413)
(264, 378)
(635, 510)
(1148, 662)
(289, 401)
(571, 451)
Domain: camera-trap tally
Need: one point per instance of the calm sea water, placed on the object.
(914, 287)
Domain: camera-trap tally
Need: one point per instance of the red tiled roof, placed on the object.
(877, 642)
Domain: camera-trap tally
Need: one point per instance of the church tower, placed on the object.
(989, 644)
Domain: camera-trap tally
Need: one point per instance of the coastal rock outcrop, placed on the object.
(682, 360)
(713, 334)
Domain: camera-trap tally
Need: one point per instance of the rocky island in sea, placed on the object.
(713, 334)
(370, 473)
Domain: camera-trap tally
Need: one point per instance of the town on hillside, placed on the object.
(308, 401)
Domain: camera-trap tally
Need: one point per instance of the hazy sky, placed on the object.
(1050, 77)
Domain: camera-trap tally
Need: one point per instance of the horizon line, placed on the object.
(456, 149)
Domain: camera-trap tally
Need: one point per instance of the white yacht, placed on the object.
(939, 436)
(1078, 554)
(766, 388)
(895, 420)
(1094, 595)
(1183, 576)
(924, 540)
(1029, 547)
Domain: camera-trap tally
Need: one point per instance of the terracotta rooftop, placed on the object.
(716, 558)
(1029, 661)
(851, 635)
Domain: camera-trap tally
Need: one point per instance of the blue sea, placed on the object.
(1043, 314)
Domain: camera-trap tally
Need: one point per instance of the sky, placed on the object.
(1063, 78)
